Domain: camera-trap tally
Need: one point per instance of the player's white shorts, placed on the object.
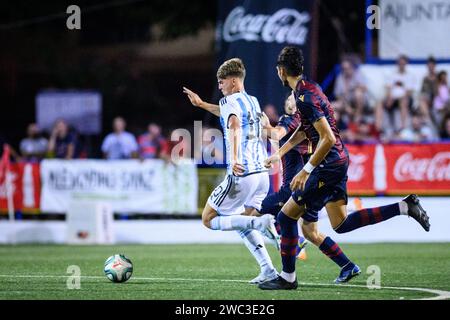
(234, 194)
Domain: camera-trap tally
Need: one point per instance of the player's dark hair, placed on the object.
(231, 68)
(291, 58)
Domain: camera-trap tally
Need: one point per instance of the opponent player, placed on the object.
(322, 181)
(293, 161)
(247, 180)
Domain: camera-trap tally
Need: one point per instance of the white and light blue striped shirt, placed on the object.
(252, 151)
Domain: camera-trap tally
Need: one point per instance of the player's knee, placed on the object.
(339, 229)
(207, 215)
(206, 222)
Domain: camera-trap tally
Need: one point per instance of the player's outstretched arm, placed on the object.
(275, 133)
(326, 141)
(198, 102)
(297, 137)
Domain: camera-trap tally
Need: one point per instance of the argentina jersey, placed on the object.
(252, 151)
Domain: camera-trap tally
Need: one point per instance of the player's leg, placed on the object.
(257, 186)
(272, 204)
(254, 242)
(288, 220)
(332, 250)
(342, 223)
(222, 211)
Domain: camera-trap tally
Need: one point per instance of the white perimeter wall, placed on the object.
(398, 229)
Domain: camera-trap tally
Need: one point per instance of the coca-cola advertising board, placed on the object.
(419, 168)
(256, 31)
(361, 169)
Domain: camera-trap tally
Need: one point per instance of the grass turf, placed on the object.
(195, 272)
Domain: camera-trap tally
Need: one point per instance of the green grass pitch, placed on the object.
(218, 272)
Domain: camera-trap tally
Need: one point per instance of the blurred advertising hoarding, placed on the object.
(256, 31)
(81, 109)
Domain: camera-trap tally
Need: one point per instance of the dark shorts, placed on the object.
(327, 183)
(273, 203)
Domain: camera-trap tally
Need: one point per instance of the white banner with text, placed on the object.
(130, 186)
(417, 28)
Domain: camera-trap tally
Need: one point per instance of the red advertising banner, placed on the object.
(418, 168)
(361, 170)
(26, 188)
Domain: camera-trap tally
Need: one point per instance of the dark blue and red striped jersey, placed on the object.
(292, 161)
(313, 104)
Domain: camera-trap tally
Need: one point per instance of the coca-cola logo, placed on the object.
(356, 169)
(284, 26)
(423, 169)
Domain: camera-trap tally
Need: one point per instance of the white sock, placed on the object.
(403, 206)
(254, 242)
(289, 277)
(235, 222)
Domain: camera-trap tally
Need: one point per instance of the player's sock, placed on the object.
(365, 217)
(289, 243)
(254, 242)
(235, 222)
(332, 250)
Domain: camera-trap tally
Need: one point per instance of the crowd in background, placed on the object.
(401, 115)
(64, 142)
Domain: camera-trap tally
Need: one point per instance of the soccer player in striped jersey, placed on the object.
(247, 181)
(323, 180)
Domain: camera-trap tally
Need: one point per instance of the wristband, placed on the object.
(308, 167)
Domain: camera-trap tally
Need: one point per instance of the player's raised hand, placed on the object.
(299, 181)
(193, 97)
(271, 160)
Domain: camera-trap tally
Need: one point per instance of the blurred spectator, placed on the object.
(418, 131)
(272, 113)
(34, 146)
(350, 90)
(393, 112)
(362, 131)
(62, 142)
(13, 153)
(445, 127)
(429, 88)
(179, 146)
(342, 125)
(152, 144)
(119, 144)
(441, 101)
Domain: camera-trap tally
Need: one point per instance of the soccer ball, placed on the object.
(118, 268)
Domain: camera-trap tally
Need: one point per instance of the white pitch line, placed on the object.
(440, 294)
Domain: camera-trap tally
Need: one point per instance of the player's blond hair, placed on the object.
(231, 68)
